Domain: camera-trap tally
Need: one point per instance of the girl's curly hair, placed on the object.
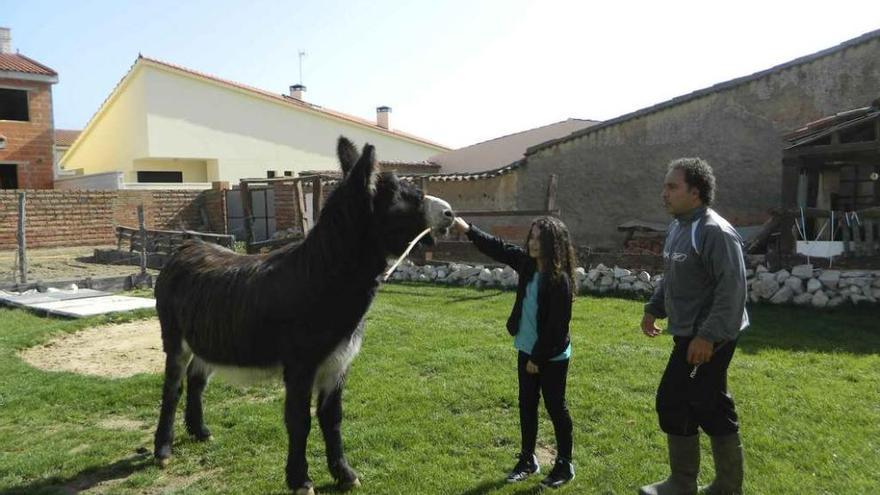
(557, 252)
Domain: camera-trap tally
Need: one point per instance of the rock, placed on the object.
(767, 288)
(593, 274)
(860, 281)
(782, 296)
(834, 302)
(876, 282)
(782, 275)
(441, 274)
(423, 278)
(621, 272)
(802, 271)
(761, 269)
(854, 289)
(813, 285)
(485, 275)
(497, 274)
(803, 299)
(796, 284)
(857, 299)
(580, 272)
(629, 279)
(830, 278)
(626, 286)
(767, 276)
(819, 300)
(868, 291)
(754, 297)
(750, 273)
(876, 293)
(854, 274)
(646, 287)
(644, 276)
(656, 278)
(606, 281)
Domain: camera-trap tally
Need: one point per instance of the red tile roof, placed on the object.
(17, 62)
(64, 137)
(290, 100)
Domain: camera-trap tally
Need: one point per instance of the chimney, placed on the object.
(297, 90)
(5, 40)
(383, 114)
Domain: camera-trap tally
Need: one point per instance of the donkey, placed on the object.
(297, 310)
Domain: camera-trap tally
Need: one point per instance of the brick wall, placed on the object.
(31, 144)
(87, 218)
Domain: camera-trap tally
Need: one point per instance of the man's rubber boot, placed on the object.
(727, 452)
(684, 466)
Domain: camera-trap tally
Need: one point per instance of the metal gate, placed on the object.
(262, 213)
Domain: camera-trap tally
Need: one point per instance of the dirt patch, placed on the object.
(112, 351)
(546, 454)
(68, 263)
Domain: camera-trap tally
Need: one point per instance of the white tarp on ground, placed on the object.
(74, 302)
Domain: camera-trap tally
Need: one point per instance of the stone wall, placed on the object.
(613, 173)
(802, 285)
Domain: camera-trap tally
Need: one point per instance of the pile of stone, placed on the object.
(803, 285)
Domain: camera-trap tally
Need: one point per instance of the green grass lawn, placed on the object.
(430, 407)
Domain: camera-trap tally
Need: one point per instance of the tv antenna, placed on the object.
(301, 55)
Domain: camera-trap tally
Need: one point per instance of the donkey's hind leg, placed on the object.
(330, 418)
(197, 375)
(175, 363)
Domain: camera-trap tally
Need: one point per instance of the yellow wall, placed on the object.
(248, 135)
(117, 137)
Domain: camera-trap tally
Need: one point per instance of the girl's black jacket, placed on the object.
(554, 296)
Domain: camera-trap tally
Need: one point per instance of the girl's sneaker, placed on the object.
(525, 467)
(562, 473)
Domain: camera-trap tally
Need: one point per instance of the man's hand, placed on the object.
(531, 368)
(460, 226)
(650, 328)
(699, 351)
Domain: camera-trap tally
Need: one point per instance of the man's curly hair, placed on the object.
(697, 173)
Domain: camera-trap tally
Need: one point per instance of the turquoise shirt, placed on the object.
(528, 322)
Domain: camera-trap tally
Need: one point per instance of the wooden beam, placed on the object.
(507, 213)
(317, 198)
(423, 184)
(830, 149)
(245, 193)
(22, 243)
(301, 205)
(551, 193)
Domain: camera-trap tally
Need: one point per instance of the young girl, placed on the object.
(539, 322)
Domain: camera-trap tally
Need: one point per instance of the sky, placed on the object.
(455, 72)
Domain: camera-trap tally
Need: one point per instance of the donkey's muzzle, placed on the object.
(438, 213)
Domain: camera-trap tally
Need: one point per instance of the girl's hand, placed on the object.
(460, 226)
(531, 368)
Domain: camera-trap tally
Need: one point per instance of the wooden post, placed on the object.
(22, 243)
(143, 234)
(423, 184)
(551, 193)
(245, 192)
(317, 199)
(301, 205)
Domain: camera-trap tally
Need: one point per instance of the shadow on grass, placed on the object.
(486, 293)
(86, 478)
(493, 485)
(853, 330)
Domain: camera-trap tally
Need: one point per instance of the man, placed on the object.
(703, 294)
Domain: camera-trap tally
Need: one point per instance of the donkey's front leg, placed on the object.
(330, 418)
(298, 384)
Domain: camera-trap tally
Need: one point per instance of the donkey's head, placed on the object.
(399, 210)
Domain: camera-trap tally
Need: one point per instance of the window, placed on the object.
(288, 173)
(270, 174)
(8, 177)
(14, 105)
(160, 176)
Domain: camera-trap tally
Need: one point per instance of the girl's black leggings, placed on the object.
(551, 381)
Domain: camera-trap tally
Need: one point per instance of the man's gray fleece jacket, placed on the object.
(703, 291)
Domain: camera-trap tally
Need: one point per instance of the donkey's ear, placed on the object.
(364, 172)
(348, 154)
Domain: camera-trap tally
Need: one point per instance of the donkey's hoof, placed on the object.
(305, 490)
(349, 484)
(163, 462)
